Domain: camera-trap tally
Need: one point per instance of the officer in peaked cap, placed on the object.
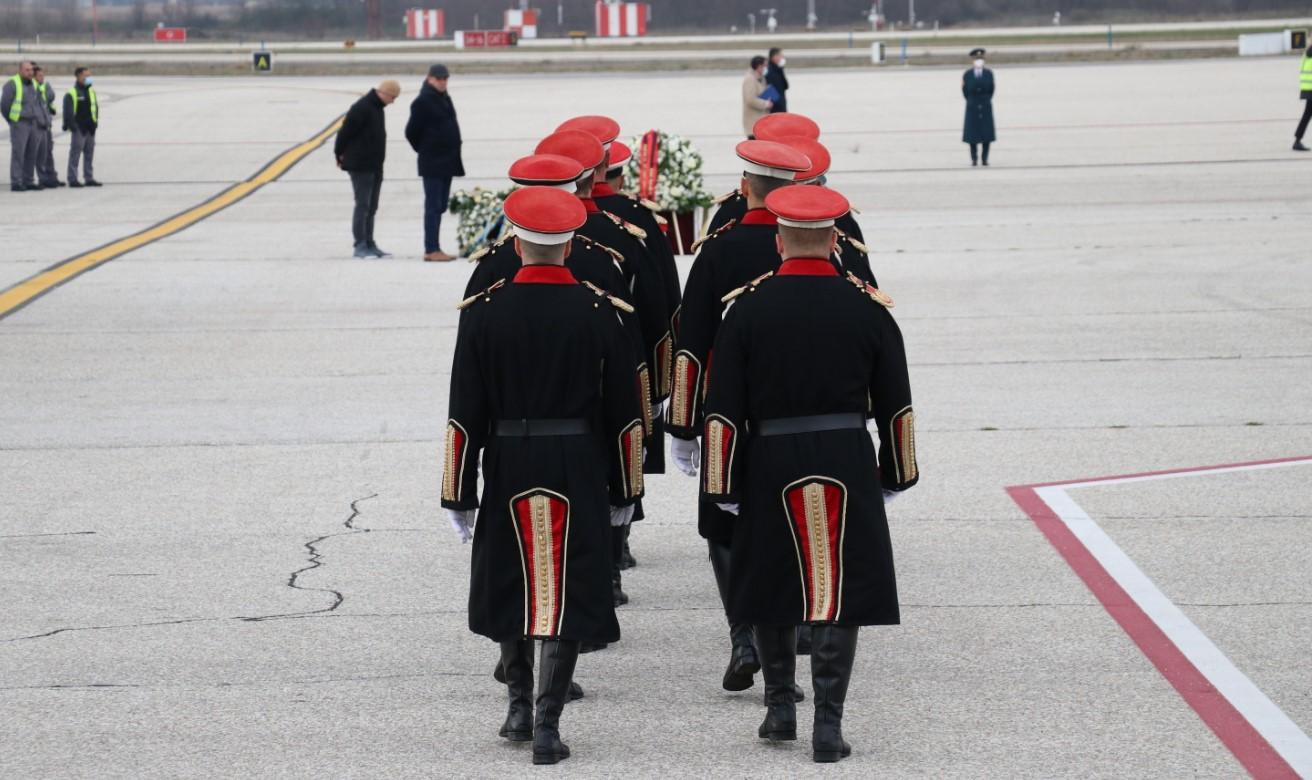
(771, 127)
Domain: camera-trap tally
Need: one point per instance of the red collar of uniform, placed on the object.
(807, 266)
(603, 190)
(590, 204)
(759, 217)
(544, 274)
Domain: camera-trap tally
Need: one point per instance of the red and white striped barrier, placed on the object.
(423, 23)
(170, 35)
(523, 22)
(622, 20)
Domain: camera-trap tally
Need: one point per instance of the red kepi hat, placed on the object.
(547, 170)
(576, 144)
(619, 155)
(771, 126)
(814, 151)
(545, 215)
(775, 160)
(803, 206)
(603, 128)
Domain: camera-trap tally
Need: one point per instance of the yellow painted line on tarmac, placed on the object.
(19, 295)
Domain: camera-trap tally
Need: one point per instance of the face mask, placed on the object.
(88, 81)
(979, 63)
(782, 62)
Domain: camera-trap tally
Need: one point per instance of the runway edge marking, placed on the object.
(17, 296)
(1259, 734)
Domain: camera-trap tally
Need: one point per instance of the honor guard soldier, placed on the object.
(592, 264)
(772, 127)
(542, 386)
(641, 214)
(786, 442)
(733, 256)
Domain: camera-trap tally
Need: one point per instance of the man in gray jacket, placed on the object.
(45, 163)
(23, 110)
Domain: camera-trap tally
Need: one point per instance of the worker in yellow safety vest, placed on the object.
(81, 118)
(1305, 92)
(27, 117)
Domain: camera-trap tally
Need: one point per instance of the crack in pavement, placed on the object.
(293, 581)
(315, 562)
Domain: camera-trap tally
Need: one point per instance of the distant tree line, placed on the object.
(346, 18)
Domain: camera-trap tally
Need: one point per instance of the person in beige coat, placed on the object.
(753, 85)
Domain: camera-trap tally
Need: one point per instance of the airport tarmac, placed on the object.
(221, 546)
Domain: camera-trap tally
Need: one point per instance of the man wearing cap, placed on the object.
(592, 264)
(542, 386)
(434, 133)
(792, 455)
(977, 88)
(360, 149)
(730, 258)
(771, 127)
(607, 130)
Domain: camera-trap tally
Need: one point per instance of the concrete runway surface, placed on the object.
(221, 548)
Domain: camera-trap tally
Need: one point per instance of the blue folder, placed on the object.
(770, 93)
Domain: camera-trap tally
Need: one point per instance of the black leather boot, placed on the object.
(743, 661)
(804, 639)
(517, 665)
(617, 594)
(555, 669)
(777, 646)
(627, 561)
(831, 670)
(575, 690)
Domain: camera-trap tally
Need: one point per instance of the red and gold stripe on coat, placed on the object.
(644, 394)
(541, 519)
(903, 427)
(720, 440)
(817, 511)
(684, 388)
(630, 444)
(453, 464)
(663, 358)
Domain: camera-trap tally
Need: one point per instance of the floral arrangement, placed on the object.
(481, 219)
(680, 184)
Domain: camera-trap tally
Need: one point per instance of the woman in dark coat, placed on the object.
(977, 88)
(434, 133)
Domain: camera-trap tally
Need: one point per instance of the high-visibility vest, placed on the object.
(16, 110)
(95, 104)
(1305, 77)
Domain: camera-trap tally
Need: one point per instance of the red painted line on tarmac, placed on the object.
(1251, 749)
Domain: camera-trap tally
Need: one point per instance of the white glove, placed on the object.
(890, 495)
(462, 521)
(657, 410)
(687, 455)
(732, 509)
(621, 515)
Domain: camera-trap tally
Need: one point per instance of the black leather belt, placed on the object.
(567, 427)
(784, 426)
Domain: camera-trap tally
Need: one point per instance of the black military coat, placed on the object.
(853, 254)
(979, 128)
(812, 543)
(542, 348)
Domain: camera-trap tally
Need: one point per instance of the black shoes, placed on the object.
(1298, 145)
(777, 647)
(517, 668)
(575, 690)
(75, 184)
(831, 670)
(93, 183)
(555, 670)
(743, 661)
(371, 246)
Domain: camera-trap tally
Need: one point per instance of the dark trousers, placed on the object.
(437, 192)
(1302, 123)
(974, 152)
(367, 185)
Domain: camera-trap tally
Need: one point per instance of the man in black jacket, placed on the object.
(81, 118)
(434, 133)
(361, 148)
(775, 77)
